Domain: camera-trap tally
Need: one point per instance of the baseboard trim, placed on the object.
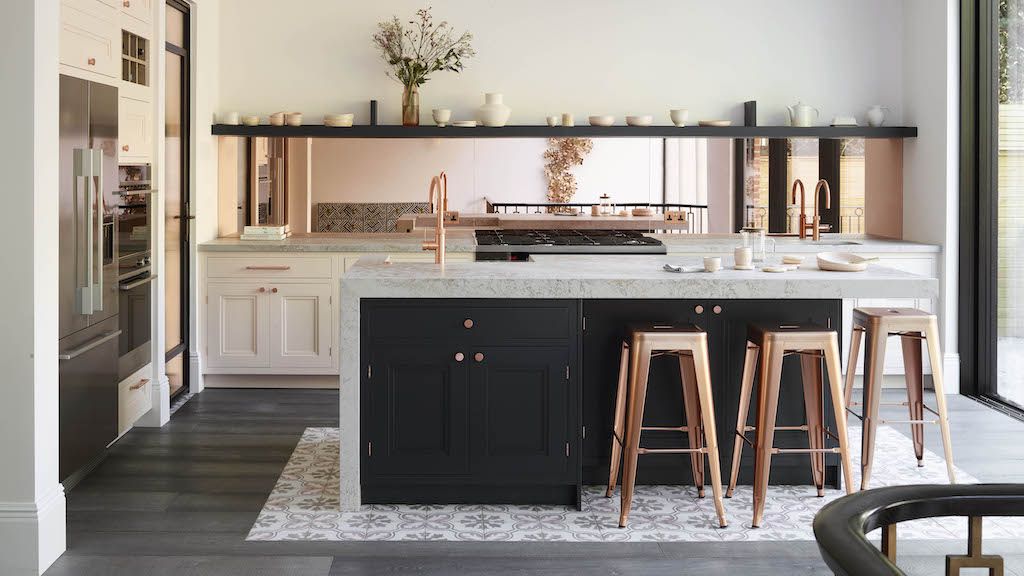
(78, 475)
(318, 382)
(33, 534)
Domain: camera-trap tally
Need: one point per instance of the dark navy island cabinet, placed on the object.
(510, 401)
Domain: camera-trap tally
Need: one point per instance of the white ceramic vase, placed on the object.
(494, 112)
(876, 115)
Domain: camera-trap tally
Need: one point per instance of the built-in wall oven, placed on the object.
(135, 275)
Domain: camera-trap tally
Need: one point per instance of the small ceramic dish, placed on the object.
(602, 120)
(251, 120)
(644, 120)
(293, 118)
(775, 269)
(792, 259)
(339, 120)
(643, 211)
(715, 123)
(738, 267)
(843, 262)
(464, 123)
(277, 119)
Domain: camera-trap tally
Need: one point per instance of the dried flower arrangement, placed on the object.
(416, 52)
(562, 154)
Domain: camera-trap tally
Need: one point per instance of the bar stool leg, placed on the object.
(619, 425)
(874, 362)
(851, 362)
(839, 406)
(692, 408)
(914, 375)
(810, 370)
(768, 407)
(746, 385)
(935, 356)
(640, 362)
(707, 411)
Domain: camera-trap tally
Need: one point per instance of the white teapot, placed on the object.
(800, 114)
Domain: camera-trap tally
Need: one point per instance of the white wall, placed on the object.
(583, 56)
(31, 498)
(930, 161)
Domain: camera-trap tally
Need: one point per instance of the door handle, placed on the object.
(76, 352)
(137, 283)
(83, 290)
(185, 217)
(97, 292)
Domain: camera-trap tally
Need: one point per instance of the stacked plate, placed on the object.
(339, 120)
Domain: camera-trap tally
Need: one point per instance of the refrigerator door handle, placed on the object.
(97, 289)
(99, 341)
(83, 170)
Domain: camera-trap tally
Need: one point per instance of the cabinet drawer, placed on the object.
(89, 37)
(133, 400)
(261, 267)
(481, 323)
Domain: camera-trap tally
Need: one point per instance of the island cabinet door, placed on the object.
(521, 401)
(418, 406)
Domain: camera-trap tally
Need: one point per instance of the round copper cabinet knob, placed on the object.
(459, 356)
(274, 290)
(127, 4)
(124, 148)
(698, 309)
(717, 309)
(262, 290)
(479, 356)
(92, 61)
(468, 322)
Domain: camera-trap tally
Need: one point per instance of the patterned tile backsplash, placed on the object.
(363, 217)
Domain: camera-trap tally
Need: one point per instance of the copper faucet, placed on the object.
(440, 183)
(815, 225)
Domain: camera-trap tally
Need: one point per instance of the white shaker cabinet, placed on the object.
(135, 131)
(238, 326)
(300, 325)
(90, 40)
(141, 9)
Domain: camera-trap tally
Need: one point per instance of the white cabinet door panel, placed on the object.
(300, 325)
(135, 130)
(237, 326)
(89, 37)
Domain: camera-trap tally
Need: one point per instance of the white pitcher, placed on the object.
(800, 114)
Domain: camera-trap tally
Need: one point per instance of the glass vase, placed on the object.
(411, 106)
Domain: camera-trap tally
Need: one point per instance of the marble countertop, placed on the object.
(462, 241)
(632, 276)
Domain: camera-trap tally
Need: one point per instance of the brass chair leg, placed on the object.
(873, 366)
(702, 367)
(856, 335)
(810, 370)
(692, 409)
(839, 406)
(640, 362)
(618, 427)
(913, 373)
(768, 393)
(746, 385)
(935, 356)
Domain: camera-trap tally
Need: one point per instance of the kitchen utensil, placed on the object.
(844, 121)
(679, 116)
(441, 116)
(843, 262)
(712, 263)
(464, 123)
(644, 120)
(602, 120)
(759, 243)
(876, 115)
(715, 123)
(293, 118)
(800, 114)
(553, 120)
(792, 259)
(251, 120)
(743, 255)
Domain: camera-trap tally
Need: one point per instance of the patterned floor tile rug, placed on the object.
(304, 506)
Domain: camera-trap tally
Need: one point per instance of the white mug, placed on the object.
(712, 263)
(442, 116)
(554, 121)
(744, 256)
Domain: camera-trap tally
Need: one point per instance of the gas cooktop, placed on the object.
(568, 242)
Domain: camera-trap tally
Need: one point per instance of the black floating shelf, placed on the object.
(390, 131)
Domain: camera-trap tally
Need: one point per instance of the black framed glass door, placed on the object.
(176, 196)
(992, 201)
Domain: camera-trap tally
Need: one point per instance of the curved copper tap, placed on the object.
(816, 231)
(439, 183)
(798, 183)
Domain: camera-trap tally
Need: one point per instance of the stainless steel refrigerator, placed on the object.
(88, 347)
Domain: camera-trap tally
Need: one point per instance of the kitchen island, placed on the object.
(493, 381)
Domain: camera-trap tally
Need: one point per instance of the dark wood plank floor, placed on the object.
(180, 500)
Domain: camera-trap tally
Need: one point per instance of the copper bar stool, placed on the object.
(690, 345)
(912, 326)
(773, 342)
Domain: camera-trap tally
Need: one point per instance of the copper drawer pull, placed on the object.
(698, 309)
(139, 384)
(268, 267)
(92, 61)
(468, 323)
(459, 356)
(717, 309)
(479, 356)
(262, 290)
(274, 290)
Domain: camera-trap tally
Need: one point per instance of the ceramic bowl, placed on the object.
(277, 119)
(442, 116)
(716, 123)
(842, 262)
(679, 116)
(644, 120)
(339, 120)
(293, 118)
(251, 120)
(602, 120)
(554, 120)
